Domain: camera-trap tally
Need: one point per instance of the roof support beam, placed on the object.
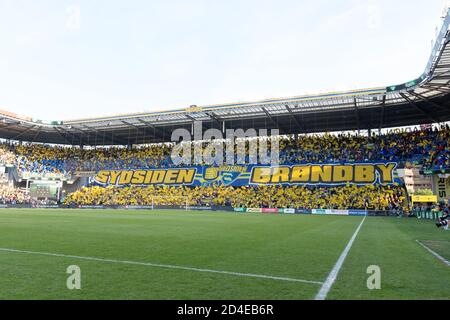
(293, 117)
(437, 86)
(439, 89)
(22, 133)
(37, 134)
(441, 77)
(191, 118)
(112, 139)
(141, 129)
(161, 132)
(9, 125)
(63, 135)
(215, 119)
(412, 103)
(273, 120)
(429, 102)
(356, 113)
(443, 66)
(74, 137)
(130, 124)
(383, 106)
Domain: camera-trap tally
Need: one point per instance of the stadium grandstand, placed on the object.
(118, 160)
(342, 195)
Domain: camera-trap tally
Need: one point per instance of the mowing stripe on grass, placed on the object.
(435, 254)
(165, 266)
(323, 292)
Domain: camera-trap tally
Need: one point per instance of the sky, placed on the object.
(63, 60)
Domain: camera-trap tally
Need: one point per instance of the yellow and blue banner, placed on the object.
(378, 173)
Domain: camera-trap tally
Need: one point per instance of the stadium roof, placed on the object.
(421, 101)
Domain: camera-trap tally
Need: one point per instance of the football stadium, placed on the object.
(338, 196)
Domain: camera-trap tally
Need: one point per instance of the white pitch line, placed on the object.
(165, 266)
(323, 292)
(445, 261)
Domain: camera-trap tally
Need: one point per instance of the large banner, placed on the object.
(380, 173)
(441, 184)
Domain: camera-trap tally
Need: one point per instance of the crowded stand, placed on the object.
(346, 197)
(7, 157)
(68, 160)
(11, 195)
(427, 148)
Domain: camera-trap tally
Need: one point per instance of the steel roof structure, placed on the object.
(422, 101)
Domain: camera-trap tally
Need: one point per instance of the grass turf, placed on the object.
(441, 247)
(296, 246)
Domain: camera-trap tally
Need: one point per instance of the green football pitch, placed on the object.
(165, 254)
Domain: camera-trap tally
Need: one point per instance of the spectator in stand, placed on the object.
(6, 156)
(427, 148)
(347, 197)
(11, 195)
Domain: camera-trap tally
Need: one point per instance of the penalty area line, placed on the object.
(162, 266)
(323, 292)
(441, 258)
